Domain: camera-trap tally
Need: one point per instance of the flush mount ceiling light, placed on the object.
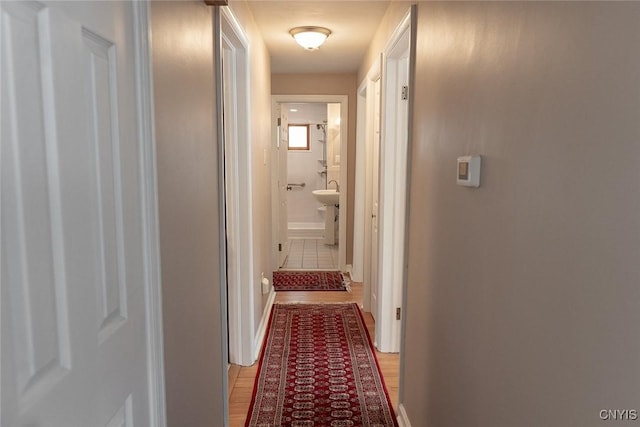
(310, 38)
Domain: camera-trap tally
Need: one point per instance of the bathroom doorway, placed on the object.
(308, 159)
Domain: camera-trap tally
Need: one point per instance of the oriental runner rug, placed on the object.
(309, 281)
(318, 368)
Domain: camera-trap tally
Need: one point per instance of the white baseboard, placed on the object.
(262, 328)
(348, 268)
(305, 225)
(403, 419)
(306, 230)
(306, 234)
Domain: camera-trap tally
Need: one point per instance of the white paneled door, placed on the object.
(74, 313)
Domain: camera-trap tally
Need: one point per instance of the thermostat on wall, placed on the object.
(469, 171)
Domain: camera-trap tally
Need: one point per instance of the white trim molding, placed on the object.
(238, 182)
(398, 32)
(151, 233)
(223, 396)
(349, 270)
(306, 230)
(403, 418)
(364, 151)
(262, 328)
(360, 185)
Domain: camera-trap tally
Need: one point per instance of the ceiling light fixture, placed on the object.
(310, 38)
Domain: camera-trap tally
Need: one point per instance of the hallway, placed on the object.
(241, 379)
(127, 285)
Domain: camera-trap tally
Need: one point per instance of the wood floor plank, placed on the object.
(244, 376)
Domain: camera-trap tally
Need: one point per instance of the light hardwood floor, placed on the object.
(241, 379)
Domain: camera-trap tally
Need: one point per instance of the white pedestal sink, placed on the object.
(329, 198)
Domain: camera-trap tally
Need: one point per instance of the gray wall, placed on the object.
(523, 299)
(188, 207)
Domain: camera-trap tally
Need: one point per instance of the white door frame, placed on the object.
(342, 221)
(357, 270)
(393, 194)
(280, 229)
(364, 175)
(150, 225)
(238, 184)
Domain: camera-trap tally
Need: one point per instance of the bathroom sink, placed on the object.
(327, 197)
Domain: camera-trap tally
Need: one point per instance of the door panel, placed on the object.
(30, 271)
(102, 110)
(73, 309)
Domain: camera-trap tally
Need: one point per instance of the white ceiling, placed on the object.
(353, 24)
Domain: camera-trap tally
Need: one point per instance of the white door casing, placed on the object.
(393, 181)
(238, 188)
(371, 134)
(81, 330)
(275, 187)
(276, 100)
(359, 196)
(283, 153)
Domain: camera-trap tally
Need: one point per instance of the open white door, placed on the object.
(371, 136)
(393, 191)
(282, 147)
(75, 333)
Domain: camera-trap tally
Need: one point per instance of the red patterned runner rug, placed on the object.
(308, 281)
(318, 368)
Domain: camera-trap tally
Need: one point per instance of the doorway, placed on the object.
(313, 164)
(309, 154)
(382, 167)
(365, 244)
(394, 149)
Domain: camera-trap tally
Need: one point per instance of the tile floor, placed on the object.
(311, 254)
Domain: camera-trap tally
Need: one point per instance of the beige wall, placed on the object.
(188, 208)
(260, 101)
(329, 84)
(523, 301)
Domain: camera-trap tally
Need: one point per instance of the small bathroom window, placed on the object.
(298, 137)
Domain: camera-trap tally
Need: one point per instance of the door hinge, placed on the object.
(398, 310)
(405, 92)
(279, 121)
(279, 247)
